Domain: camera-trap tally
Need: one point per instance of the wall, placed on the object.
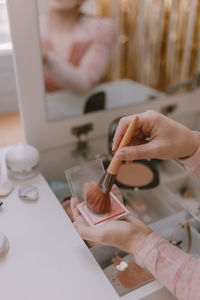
(8, 94)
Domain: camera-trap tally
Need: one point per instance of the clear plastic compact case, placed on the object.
(171, 209)
(79, 175)
(89, 174)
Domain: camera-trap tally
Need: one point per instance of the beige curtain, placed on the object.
(158, 41)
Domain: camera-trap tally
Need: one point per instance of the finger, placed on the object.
(146, 151)
(74, 201)
(120, 131)
(122, 127)
(145, 125)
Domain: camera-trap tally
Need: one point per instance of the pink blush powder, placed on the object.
(135, 174)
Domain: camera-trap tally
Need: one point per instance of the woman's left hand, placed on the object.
(127, 234)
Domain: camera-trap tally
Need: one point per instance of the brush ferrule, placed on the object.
(106, 182)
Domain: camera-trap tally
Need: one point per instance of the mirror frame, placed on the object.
(24, 27)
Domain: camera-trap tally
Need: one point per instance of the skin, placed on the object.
(127, 234)
(62, 17)
(168, 139)
(156, 136)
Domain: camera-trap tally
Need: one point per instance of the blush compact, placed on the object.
(141, 174)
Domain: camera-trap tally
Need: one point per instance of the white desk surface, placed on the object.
(47, 259)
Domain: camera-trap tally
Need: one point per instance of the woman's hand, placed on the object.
(127, 234)
(156, 136)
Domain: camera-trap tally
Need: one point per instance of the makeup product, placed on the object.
(29, 193)
(6, 186)
(122, 266)
(139, 174)
(23, 161)
(135, 174)
(132, 275)
(125, 275)
(4, 244)
(117, 210)
(78, 178)
(98, 195)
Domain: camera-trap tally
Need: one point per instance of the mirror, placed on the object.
(81, 59)
(94, 49)
(155, 53)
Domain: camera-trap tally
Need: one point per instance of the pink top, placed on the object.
(176, 270)
(93, 39)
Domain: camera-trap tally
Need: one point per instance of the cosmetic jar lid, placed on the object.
(22, 159)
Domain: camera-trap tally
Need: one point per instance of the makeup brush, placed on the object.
(98, 196)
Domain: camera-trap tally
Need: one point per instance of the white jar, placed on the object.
(22, 161)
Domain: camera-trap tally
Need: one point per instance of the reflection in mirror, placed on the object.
(103, 54)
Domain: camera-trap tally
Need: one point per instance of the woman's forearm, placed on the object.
(176, 270)
(83, 77)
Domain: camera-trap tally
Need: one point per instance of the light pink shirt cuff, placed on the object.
(149, 244)
(192, 163)
(176, 270)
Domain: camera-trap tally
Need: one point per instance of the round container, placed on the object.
(22, 161)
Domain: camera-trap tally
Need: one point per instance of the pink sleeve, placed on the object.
(92, 67)
(192, 164)
(176, 270)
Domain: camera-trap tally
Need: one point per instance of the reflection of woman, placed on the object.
(178, 271)
(76, 47)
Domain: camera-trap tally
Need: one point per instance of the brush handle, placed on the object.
(115, 164)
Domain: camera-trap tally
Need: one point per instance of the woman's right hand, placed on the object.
(156, 136)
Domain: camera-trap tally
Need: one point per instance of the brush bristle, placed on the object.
(96, 201)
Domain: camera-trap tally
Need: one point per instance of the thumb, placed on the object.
(145, 151)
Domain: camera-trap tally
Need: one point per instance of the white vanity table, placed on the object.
(47, 259)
